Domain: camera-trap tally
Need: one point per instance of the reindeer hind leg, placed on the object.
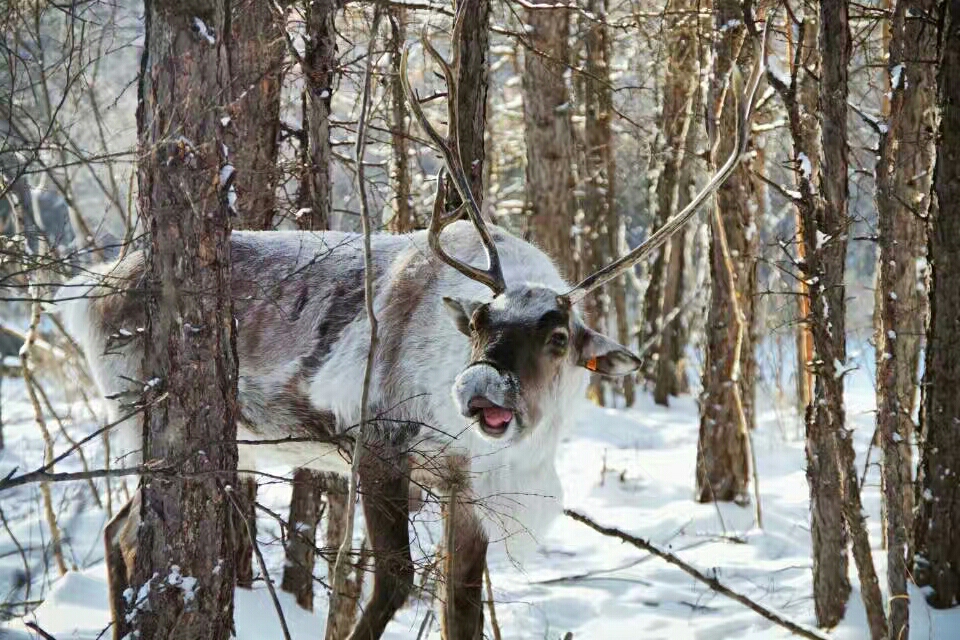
(120, 545)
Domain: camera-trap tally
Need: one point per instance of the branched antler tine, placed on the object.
(492, 276)
(674, 224)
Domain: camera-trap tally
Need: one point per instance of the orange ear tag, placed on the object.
(592, 364)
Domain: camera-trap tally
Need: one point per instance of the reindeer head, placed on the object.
(529, 338)
(524, 344)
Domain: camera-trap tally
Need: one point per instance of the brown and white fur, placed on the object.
(302, 345)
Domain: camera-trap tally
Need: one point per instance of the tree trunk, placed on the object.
(822, 265)
(549, 136)
(723, 461)
(306, 508)
(256, 50)
(320, 63)
(682, 26)
(671, 363)
(904, 171)
(336, 488)
(472, 95)
(937, 527)
(601, 226)
(316, 202)
(184, 563)
(829, 248)
(245, 514)
(403, 215)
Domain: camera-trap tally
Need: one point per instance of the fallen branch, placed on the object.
(713, 583)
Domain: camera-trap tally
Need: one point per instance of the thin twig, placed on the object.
(713, 583)
(27, 577)
(33, 626)
(342, 563)
(26, 372)
(263, 565)
(73, 443)
(493, 610)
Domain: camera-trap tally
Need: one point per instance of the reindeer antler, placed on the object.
(674, 224)
(492, 276)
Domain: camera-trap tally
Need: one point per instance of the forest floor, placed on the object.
(633, 469)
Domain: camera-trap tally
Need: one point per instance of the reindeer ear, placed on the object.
(461, 311)
(602, 355)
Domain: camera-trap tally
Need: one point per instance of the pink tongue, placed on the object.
(497, 417)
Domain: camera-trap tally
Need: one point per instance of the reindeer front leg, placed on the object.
(120, 542)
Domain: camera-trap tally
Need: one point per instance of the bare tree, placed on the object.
(600, 230)
(937, 526)
(820, 154)
(257, 51)
(306, 508)
(472, 84)
(549, 135)
(726, 412)
(824, 415)
(677, 124)
(904, 176)
(403, 214)
(183, 565)
(319, 64)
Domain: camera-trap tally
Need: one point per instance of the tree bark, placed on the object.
(821, 265)
(336, 489)
(256, 51)
(682, 26)
(306, 508)
(320, 64)
(829, 333)
(937, 526)
(904, 170)
(184, 566)
(671, 379)
(240, 518)
(549, 136)
(723, 462)
(472, 82)
(403, 219)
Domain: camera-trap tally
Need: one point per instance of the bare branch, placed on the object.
(713, 583)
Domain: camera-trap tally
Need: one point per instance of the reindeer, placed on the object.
(477, 377)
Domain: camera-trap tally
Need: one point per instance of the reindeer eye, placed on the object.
(559, 339)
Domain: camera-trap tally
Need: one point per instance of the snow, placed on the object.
(896, 74)
(205, 32)
(633, 469)
(805, 166)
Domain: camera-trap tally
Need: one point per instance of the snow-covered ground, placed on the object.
(631, 469)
